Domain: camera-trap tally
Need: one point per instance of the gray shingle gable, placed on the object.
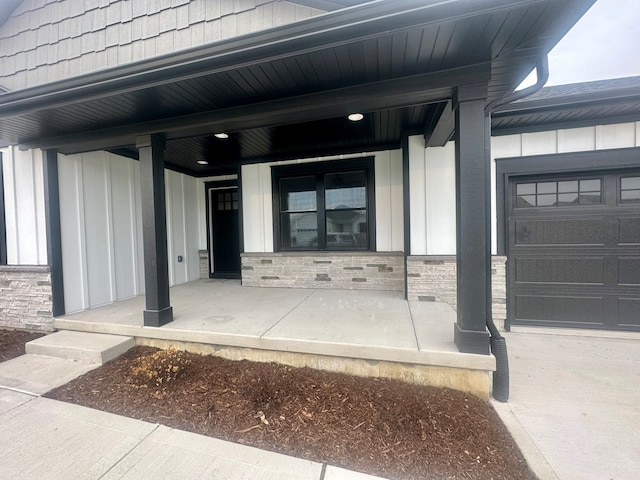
(48, 40)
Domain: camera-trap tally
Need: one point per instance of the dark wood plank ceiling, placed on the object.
(285, 93)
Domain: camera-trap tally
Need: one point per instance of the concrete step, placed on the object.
(92, 348)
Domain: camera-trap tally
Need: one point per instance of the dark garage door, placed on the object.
(574, 251)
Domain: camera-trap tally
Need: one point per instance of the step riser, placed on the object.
(92, 348)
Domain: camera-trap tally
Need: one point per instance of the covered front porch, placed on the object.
(368, 333)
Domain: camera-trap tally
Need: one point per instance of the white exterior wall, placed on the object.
(432, 187)
(257, 205)
(24, 205)
(100, 209)
(47, 40)
(432, 179)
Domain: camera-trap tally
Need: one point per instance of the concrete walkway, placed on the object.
(574, 405)
(43, 438)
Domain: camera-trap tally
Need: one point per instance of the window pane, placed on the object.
(630, 196)
(345, 190)
(299, 230)
(630, 183)
(547, 187)
(589, 186)
(526, 201)
(347, 229)
(526, 189)
(568, 198)
(590, 198)
(298, 194)
(568, 187)
(546, 200)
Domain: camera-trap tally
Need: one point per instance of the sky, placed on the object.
(604, 44)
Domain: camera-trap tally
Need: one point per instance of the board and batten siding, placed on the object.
(48, 40)
(24, 206)
(101, 223)
(257, 204)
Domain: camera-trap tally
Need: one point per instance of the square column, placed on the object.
(158, 310)
(473, 228)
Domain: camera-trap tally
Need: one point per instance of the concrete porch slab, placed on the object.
(368, 333)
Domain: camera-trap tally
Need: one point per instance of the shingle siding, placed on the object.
(48, 40)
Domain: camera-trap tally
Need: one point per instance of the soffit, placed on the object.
(284, 92)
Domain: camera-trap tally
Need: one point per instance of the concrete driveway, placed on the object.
(574, 403)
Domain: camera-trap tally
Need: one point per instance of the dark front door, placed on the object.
(224, 242)
(574, 251)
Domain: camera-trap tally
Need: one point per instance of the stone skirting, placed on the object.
(432, 278)
(25, 297)
(343, 270)
(203, 259)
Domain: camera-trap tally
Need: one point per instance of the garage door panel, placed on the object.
(629, 231)
(629, 312)
(574, 264)
(550, 308)
(629, 271)
(560, 270)
(560, 231)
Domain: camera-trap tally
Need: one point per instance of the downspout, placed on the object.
(497, 342)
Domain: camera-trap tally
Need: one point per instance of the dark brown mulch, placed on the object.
(12, 343)
(381, 427)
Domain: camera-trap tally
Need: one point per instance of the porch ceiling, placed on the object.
(285, 92)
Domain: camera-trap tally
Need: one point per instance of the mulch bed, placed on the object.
(12, 343)
(377, 426)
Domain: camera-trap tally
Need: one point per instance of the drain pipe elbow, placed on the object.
(542, 76)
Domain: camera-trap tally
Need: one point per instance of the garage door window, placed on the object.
(630, 190)
(559, 193)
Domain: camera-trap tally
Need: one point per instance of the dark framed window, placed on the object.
(560, 193)
(630, 190)
(324, 206)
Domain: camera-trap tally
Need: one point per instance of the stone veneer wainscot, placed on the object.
(343, 270)
(25, 297)
(432, 278)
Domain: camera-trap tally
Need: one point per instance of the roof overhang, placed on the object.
(397, 61)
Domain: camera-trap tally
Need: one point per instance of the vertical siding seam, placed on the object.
(14, 198)
(133, 223)
(106, 162)
(186, 254)
(82, 235)
(169, 225)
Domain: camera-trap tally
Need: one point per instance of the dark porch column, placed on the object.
(473, 227)
(154, 230)
(53, 229)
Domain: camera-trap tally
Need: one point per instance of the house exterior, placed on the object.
(149, 144)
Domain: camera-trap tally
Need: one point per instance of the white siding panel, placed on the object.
(124, 227)
(98, 234)
(397, 201)
(384, 227)
(539, 143)
(441, 200)
(74, 265)
(193, 193)
(24, 205)
(576, 139)
(418, 198)
(252, 200)
(615, 136)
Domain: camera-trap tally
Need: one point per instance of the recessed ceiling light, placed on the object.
(221, 135)
(202, 162)
(355, 117)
